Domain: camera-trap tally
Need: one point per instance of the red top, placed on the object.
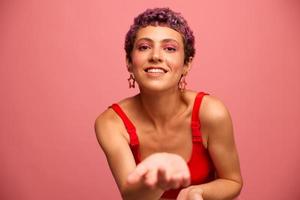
(200, 165)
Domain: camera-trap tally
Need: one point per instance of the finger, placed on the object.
(176, 181)
(151, 178)
(137, 174)
(162, 178)
(186, 179)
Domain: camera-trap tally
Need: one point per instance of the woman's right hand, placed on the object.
(161, 170)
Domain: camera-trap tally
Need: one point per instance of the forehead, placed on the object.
(159, 33)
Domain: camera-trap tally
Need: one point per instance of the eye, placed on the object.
(170, 49)
(143, 47)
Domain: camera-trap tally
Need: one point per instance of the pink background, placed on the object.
(62, 63)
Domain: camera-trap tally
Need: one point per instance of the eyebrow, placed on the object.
(164, 40)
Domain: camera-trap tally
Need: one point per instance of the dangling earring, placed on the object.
(131, 81)
(182, 83)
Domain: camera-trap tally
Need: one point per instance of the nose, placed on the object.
(156, 55)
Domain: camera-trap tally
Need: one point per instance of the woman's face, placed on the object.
(158, 58)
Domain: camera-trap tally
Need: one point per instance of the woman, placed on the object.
(155, 143)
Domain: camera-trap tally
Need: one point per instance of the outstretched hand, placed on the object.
(161, 170)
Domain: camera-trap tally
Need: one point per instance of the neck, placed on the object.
(163, 106)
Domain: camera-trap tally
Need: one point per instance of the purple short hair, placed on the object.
(161, 17)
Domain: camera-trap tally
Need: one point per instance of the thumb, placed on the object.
(137, 174)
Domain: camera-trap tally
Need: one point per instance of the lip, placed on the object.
(155, 67)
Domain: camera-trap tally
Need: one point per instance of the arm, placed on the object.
(216, 121)
(108, 128)
(148, 180)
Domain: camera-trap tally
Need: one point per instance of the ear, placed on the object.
(129, 65)
(187, 67)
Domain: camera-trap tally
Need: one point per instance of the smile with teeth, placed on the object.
(155, 70)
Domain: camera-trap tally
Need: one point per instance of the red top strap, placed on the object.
(195, 124)
(129, 126)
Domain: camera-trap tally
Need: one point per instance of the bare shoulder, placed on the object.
(105, 120)
(213, 113)
(109, 119)
(216, 120)
(110, 129)
(109, 125)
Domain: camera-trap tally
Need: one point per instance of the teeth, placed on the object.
(153, 70)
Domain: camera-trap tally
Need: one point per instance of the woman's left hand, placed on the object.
(190, 193)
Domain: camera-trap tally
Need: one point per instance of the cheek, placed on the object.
(137, 59)
(176, 62)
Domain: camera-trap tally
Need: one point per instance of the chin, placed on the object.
(155, 88)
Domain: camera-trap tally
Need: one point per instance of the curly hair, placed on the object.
(161, 17)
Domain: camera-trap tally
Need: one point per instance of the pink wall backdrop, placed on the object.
(62, 63)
